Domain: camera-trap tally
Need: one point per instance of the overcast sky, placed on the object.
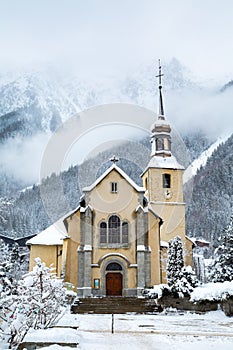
(113, 36)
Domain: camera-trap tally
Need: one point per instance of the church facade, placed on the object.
(115, 242)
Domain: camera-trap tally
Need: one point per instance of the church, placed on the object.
(115, 242)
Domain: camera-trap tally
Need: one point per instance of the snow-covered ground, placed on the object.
(170, 330)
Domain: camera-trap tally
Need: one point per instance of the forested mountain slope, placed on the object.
(212, 200)
(37, 207)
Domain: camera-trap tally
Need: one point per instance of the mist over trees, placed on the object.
(34, 209)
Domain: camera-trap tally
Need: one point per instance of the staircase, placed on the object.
(114, 305)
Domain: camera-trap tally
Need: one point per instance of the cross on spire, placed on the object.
(160, 75)
(114, 159)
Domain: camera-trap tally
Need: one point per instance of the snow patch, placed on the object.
(213, 291)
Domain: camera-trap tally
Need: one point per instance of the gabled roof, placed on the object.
(53, 235)
(121, 172)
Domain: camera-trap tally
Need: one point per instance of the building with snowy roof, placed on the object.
(115, 242)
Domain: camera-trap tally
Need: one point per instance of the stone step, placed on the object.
(114, 305)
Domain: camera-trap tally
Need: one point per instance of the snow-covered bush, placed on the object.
(40, 300)
(156, 292)
(222, 268)
(213, 292)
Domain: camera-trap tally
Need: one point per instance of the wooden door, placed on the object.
(113, 284)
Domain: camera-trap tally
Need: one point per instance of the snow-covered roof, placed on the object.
(122, 173)
(53, 235)
(200, 242)
(164, 162)
(163, 244)
(159, 122)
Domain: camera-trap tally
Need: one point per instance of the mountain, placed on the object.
(35, 208)
(212, 197)
(41, 100)
(202, 159)
(227, 87)
(34, 104)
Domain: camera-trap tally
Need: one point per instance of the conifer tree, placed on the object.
(222, 267)
(5, 278)
(181, 279)
(175, 261)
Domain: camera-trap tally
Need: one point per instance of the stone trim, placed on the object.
(112, 259)
(113, 255)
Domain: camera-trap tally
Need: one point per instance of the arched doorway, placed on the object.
(114, 280)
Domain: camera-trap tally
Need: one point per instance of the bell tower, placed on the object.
(163, 177)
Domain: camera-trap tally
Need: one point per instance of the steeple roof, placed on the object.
(161, 138)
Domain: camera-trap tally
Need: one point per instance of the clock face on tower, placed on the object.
(168, 193)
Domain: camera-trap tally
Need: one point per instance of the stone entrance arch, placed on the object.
(114, 277)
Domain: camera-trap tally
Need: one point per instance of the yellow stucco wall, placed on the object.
(71, 273)
(171, 210)
(155, 184)
(188, 257)
(50, 255)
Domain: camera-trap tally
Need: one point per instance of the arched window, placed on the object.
(114, 232)
(114, 226)
(114, 267)
(103, 232)
(166, 180)
(125, 232)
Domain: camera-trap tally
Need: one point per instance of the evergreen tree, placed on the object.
(181, 279)
(14, 270)
(222, 267)
(5, 278)
(175, 261)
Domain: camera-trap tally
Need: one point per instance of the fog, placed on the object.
(209, 111)
(104, 37)
(107, 41)
(188, 110)
(21, 158)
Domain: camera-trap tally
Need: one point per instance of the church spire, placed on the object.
(161, 109)
(161, 137)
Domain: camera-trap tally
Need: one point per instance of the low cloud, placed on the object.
(201, 110)
(21, 157)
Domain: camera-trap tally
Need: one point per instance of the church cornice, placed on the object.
(168, 203)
